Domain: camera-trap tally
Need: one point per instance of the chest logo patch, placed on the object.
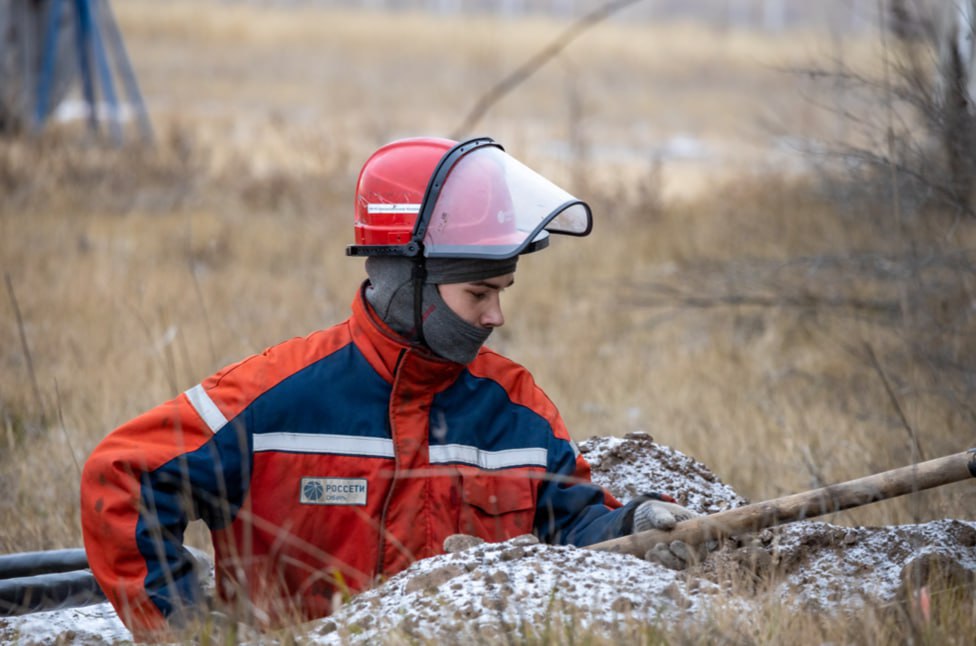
(333, 491)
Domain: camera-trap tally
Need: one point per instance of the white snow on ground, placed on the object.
(480, 593)
(96, 624)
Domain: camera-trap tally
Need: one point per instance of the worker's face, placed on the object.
(479, 303)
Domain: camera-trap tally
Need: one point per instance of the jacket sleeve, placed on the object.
(571, 510)
(141, 486)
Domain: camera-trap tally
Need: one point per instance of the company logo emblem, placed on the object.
(312, 490)
(333, 491)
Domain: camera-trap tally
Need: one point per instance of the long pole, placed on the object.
(121, 56)
(800, 506)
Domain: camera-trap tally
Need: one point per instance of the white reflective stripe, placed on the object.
(393, 208)
(453, 453)
(206, 408)
(576, 451)
(377, 447)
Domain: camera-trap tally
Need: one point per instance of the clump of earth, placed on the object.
(485, 592)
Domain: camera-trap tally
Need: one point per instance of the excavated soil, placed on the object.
(636, 464)
(485, 593)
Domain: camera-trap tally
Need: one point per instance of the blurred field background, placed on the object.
(788, 326)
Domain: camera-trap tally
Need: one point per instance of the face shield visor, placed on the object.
(483, 203)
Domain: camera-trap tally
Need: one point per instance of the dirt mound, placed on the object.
(520, 586)
(824, 567)
(488, 592)
(635, 464)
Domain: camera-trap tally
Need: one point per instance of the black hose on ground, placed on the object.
(24, 595)
(56, 579)
(32, 563)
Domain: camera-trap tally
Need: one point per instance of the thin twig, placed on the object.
(25, 347)
(157, 349)
(64, 430)
(812, 468)
(529, 67)
(811, 302)
(199, 291)
(889, 113)
(912, 435)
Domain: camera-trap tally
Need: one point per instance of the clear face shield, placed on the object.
(483, 203)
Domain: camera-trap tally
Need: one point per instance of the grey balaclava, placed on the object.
(391, 293)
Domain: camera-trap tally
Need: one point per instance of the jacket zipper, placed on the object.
(381, 543)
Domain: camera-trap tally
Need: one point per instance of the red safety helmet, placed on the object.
(438, 198)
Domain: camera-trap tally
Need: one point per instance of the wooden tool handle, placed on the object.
(809, 504)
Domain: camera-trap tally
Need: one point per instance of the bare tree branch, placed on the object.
(529, 67)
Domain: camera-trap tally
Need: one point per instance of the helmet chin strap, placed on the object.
(419, 277)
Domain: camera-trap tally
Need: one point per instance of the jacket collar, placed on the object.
(389, 353)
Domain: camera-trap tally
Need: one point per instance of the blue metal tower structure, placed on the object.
(101, 57)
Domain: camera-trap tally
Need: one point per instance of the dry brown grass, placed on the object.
(137, 273)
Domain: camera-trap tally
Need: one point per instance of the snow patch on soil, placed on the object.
(480, 593)
(96, 624)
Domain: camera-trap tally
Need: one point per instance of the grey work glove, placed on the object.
(678, 555)
(660, 514)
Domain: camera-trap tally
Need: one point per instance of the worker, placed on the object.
(330, 461)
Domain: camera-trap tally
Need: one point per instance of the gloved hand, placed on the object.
(659, 511)
(678, 555)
